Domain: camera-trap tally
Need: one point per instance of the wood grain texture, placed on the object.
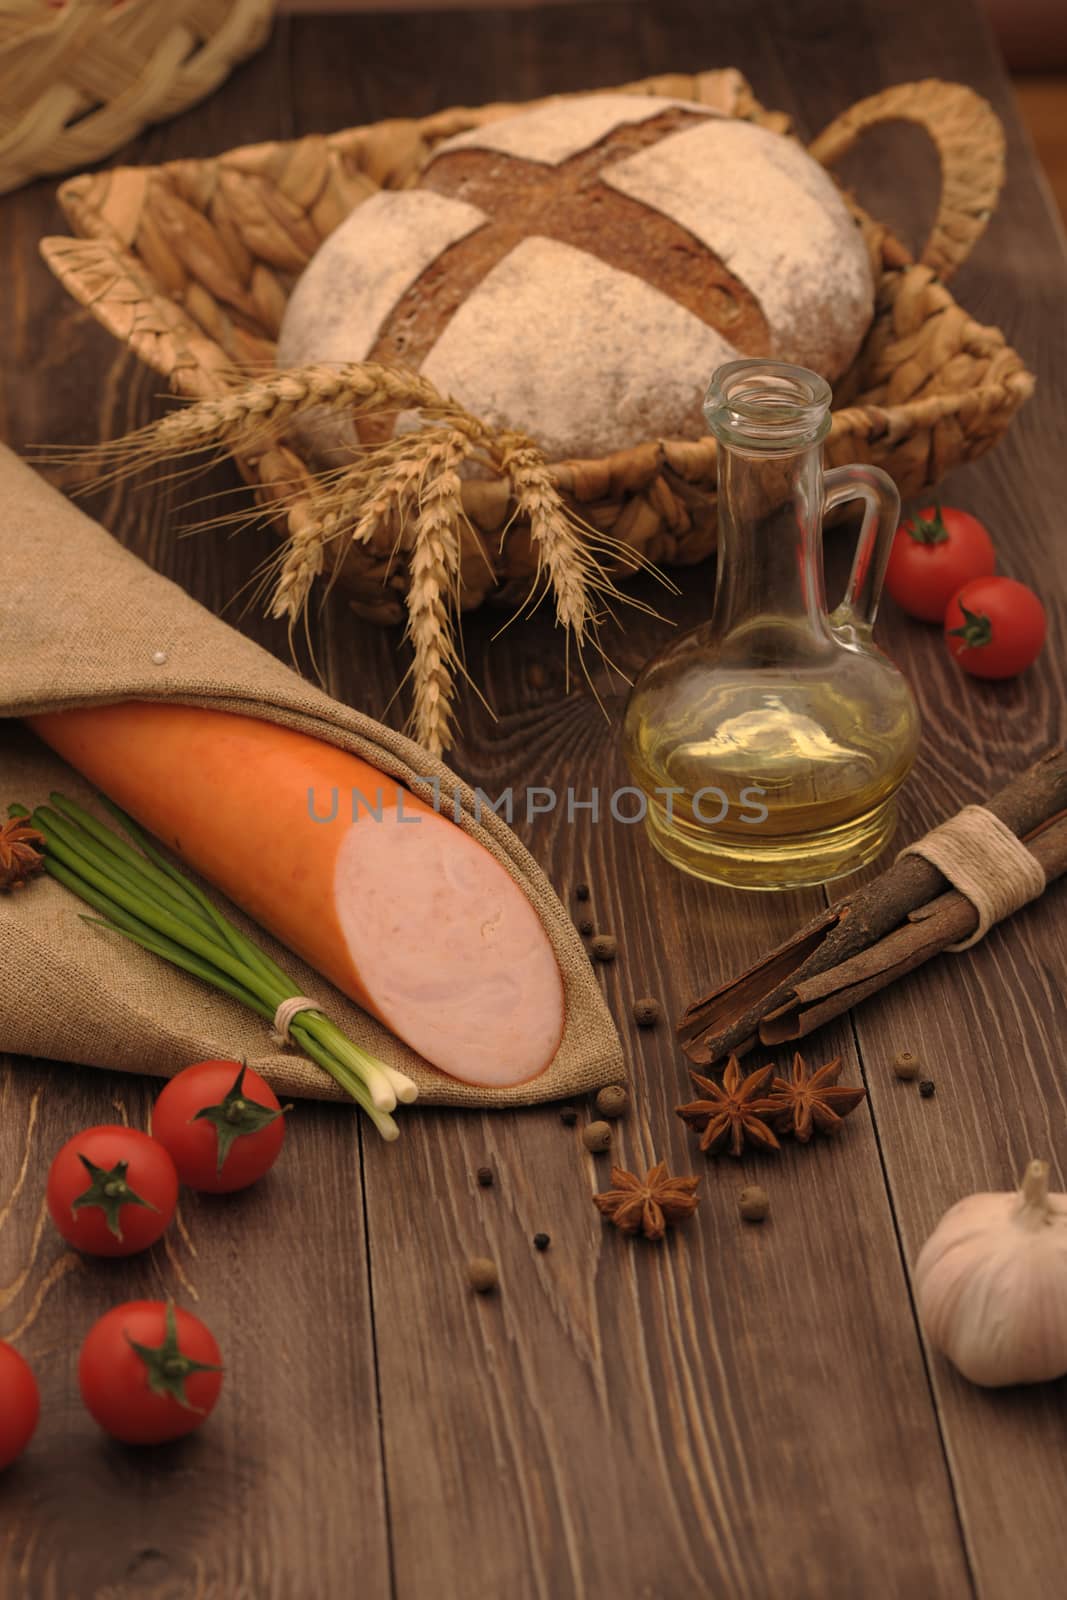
(989, 1024)
(1042, 102)
(289, 1480)
(609, 1389)
(743, 1410)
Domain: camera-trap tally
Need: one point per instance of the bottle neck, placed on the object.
(770, 573)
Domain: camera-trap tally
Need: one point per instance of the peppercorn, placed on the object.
(614, 1101)
(927, 1088)
(753, 1203)
(482, 1275)
(581, 891)
(585, 927)
(596, 1137)
(604, 947)
(646, 1013)
(906, 1065)
(568, 1116)
(541, 1241)
(485, 1177)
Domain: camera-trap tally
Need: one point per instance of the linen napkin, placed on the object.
(84, 622)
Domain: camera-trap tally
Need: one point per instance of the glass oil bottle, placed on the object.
(771, 741)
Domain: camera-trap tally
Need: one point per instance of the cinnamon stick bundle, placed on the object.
(869, 938)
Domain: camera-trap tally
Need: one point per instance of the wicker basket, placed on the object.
(77, 80)
(190, 265)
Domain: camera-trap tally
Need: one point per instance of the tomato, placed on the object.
(149, 1372)
(935, 553)
(222, 1125)
(112, 1191)
(20, 1404)
(995, 627)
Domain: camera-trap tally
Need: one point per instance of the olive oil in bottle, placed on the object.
(771, 741)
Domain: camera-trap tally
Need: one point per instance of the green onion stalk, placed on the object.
(141, 896)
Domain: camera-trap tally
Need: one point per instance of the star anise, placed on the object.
(812, 1100)
(647, 1204)
(732, 1112)
(19, 859)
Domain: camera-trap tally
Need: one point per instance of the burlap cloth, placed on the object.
(80, 621)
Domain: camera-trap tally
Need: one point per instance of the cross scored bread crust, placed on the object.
(572, 204)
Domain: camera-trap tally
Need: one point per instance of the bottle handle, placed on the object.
(881, 517)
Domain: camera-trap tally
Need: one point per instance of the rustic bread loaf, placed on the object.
(579, 270)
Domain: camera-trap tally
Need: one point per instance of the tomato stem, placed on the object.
(166, 1368)
(929, 530)
(233, 1117)
(975, 631)
(109, 1190)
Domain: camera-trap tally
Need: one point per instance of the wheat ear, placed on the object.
(270, 403)
(432, 598)
(248, 419)
(373, 494)
(408, 488)
(304, 561)
(573, 575)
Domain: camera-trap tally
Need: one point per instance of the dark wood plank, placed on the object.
(284, 1485)
(284, 1493)
(1042, 98)
(988, 1023)
(744, 1410)
(624, 1420)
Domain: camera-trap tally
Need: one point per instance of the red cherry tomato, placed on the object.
(935, 553)
(20, 1404)
(149, 1372)
(222, 1125)
(995, 627)
(112, 1191)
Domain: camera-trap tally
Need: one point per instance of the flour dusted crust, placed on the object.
(638, 352)
(554, 132)
(578, 271)
(747, 176)
(352, 284)
(355, 279)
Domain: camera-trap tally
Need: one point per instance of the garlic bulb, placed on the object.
(991, 1284)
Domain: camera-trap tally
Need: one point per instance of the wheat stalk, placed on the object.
(304, 560)
(408, 489)
(556, 540)
(373, 494)
(567, 563)
(246, 420)
(270, 403)
(433, 594)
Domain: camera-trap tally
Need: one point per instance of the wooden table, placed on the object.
(744, 1411)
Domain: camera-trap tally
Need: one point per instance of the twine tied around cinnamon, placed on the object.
(986, 862)
(285, 1015)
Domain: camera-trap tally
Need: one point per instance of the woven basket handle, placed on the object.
(969, 139)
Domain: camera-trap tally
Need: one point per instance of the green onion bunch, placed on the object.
(141, 896)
